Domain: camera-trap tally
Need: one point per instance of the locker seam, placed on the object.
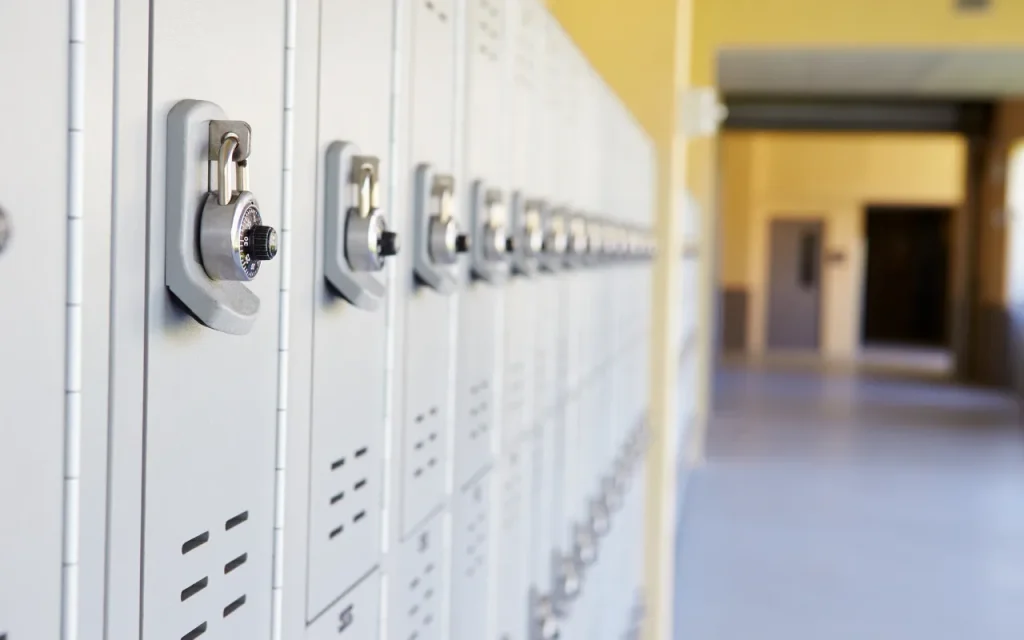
(147, 317)
(284, 309)
(73, 322)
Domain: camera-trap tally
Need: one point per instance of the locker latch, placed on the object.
(358, 240)
(214, 240)
(439, 241)
(555, 240)
(492, 242)
(6, 230)
(600, 519)
(578, 243)
(544, 619)
(585, 546)
(526, 242)
(568, 582)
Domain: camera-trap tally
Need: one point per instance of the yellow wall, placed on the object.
(831, 177)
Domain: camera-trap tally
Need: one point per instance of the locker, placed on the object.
(485, 200)
(418, 588)
(513, 529)
(210, 417)
(34, 229)
(350, 330)
(429, 188)
(471, 571)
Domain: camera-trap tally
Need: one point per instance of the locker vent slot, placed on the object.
(488, 34)
(479, 400)
(234, 606)
(441, 15)
(194, 588)
(476, 529)
(235, 521)
(423, 456)
(352, 505)
(527, 47)
(421, 612)
(234, 564)
(193, 543)
(195, 633)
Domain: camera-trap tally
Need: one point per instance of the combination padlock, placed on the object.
(233, 240)
(496, 240)
(568, 583)
(585, 545)
(445, 240)
(531, 235)
(368, 241)
(555, 242)
(578, 241)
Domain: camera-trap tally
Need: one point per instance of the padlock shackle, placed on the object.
(224, 161)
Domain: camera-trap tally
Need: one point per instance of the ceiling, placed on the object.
(968, 74)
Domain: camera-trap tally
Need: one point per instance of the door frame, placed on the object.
(821, 221)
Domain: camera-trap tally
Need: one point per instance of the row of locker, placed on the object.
(318, 318)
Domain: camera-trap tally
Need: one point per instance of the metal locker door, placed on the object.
(472, 569)
(349, 335)
(484, 216)
(418, 585)
(211, 397)
(33, 229)
(428, 183)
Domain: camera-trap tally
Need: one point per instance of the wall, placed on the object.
(831, 177)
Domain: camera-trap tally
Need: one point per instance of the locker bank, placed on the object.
(320, 319)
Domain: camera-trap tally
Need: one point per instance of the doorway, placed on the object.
(906, 289)
(794, 300)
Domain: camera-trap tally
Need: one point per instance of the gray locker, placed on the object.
(428, 115)
(418, 589)
(211, 401)
(349, 359)
(472, 569)
(33, 232)
(513, 501)
(485, 200)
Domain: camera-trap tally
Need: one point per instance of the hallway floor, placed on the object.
(851, 508)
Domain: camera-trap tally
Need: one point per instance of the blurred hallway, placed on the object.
(841, 507)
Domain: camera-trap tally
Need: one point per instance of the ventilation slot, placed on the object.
(359, 485)
(359, 516)
(336, 498)
(336, 532)
(237, 520)
(192, 544)
(193, 589)
(195, 633)
(337, 464)
(234, 564)
(234, 606)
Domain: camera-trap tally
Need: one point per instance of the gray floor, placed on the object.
(848, 508)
